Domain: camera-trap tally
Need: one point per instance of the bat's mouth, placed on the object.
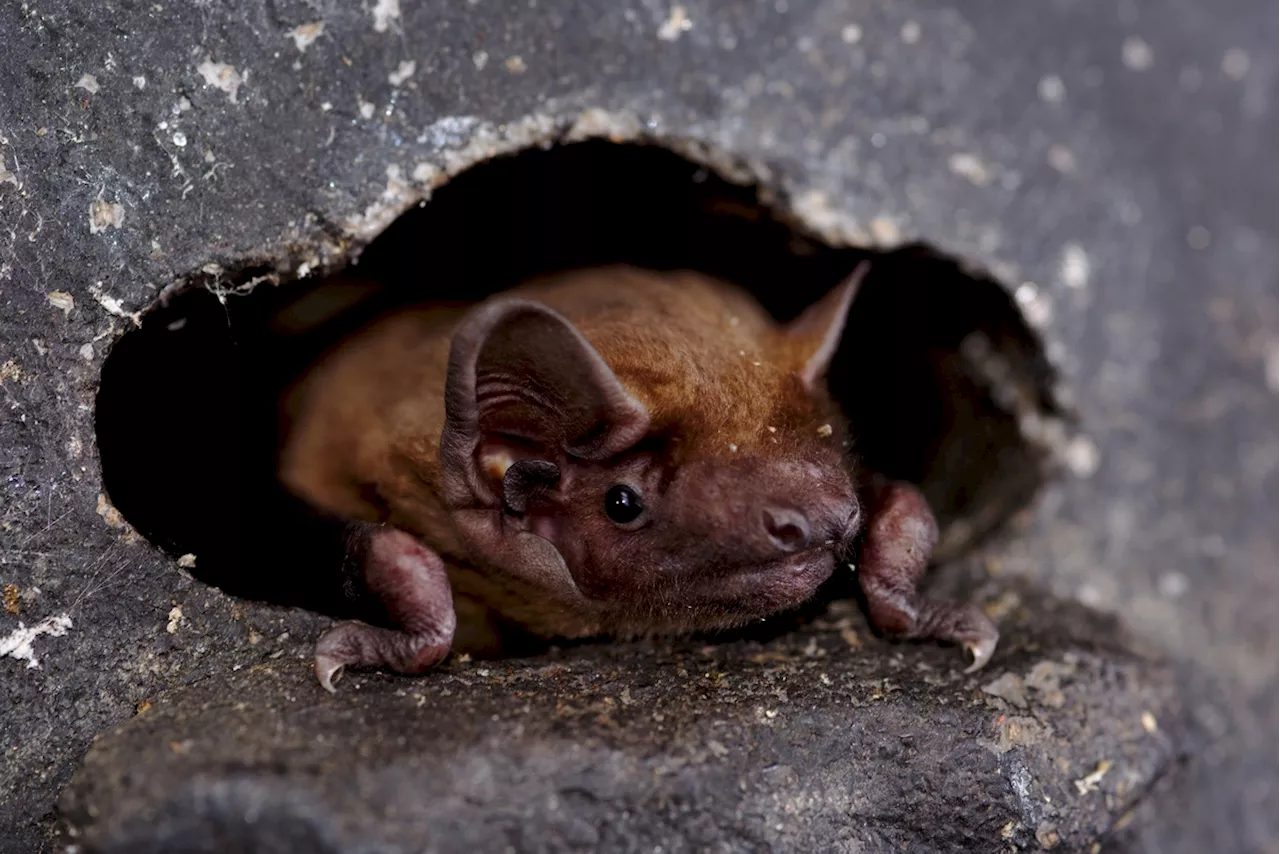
(775, 586)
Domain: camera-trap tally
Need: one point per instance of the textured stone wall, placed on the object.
(1112, 165)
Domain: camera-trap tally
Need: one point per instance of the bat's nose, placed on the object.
(787, 529)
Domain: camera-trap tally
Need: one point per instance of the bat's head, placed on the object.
(684, 468)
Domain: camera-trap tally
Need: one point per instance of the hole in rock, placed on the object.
(186, 408)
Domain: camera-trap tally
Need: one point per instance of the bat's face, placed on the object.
(680, 483)
(712, 542)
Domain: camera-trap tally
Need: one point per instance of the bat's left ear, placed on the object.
(521, 374)
(818, 330)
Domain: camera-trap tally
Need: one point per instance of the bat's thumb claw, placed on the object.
(327, 671)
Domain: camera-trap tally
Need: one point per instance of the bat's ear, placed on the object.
(521, 375)
(818, 330)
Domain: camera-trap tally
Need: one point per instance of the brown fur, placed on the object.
(712, 369)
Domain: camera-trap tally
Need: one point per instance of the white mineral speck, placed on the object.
(851, 34)
(326, 107)
(1137, 54)
(304, 34)
(1074, 268)
(910, 32)
(1081, 456)
(1061, 158)
(1235, 63)
(402, 73)
(425, 173)
(1172, 585)
(971, 167)
(18, 645)
(219, 75)
(180, 139)
(384, 12)
(677, 22)
(1090, 596)
(88, 83)
(481, 59)
(366, 109)
(140, 82)
(1035, 305)
(1052, 89)
(104, 215)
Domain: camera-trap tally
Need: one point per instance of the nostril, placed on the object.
(789, 529)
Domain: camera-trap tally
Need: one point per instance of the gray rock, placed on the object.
(1118, 163)
(798, 744)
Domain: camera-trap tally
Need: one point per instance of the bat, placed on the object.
(602, 452)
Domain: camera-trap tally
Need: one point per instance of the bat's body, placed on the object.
(604, 452)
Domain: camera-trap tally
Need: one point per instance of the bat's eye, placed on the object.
(623, 504)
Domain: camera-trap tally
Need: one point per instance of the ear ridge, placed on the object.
(820, 326)
(518, 365)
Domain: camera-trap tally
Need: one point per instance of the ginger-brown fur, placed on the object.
(606, 451)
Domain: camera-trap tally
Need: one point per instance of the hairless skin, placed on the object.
(604, 452)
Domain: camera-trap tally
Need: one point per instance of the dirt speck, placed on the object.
(970, 167)
(11, 599)
(304, 35)
(104, 214)
(1047, 835)
(1137, 54)
(384, 13)
(402, 73)
(1009, 688)
(109, 514)
(221, 76)
(1089, 782)
(677, 22)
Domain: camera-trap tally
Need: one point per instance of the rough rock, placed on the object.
(801, 743)
(1113, 166)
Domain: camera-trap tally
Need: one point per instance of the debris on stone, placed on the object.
(304, 34)
(677, 22)
(402, 73)
(221, 76)
(1009, 688)
(19, 642)
(1089, 782)
(384, 13)
(104, 215)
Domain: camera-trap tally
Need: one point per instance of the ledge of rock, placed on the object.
(821, 739)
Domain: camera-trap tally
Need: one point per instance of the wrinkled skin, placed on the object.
(606, 452)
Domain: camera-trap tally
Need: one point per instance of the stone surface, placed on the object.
(1118, 161)
(821, 739)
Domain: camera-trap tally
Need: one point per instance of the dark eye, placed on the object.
(622, 504)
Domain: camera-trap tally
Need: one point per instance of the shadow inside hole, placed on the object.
(186, 411)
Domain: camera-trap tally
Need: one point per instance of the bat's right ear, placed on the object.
(522, 375)
(818, 330)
